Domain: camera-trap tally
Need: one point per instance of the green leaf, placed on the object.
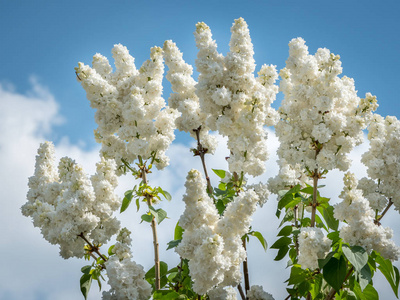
(306, 222)
(85, 282)
(304, 287)
(364, 276)
(219, 173)
(308, 190)
(390, 272)
(126, 201)
(288, 217)
(165, 295)
(86, 269)
(323, 262)
(164, 193)
(319, 223)
(261, 238)
(297, 275)
(350, 295)
(178, 232)
(220, 207)
(283, 241)
(110, 250)
(327, 213)
(137, 204)
(147, 218)
(163, 268)
(222, 186)
(316, 286)
(334, 272)
(286, 231)
(357, 256)
(333, 236)
(288, 197)
(159, 214)
(281, 253)
(369, 293)
(173, 244)
(151, 274)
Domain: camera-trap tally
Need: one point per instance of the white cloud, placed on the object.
(32, 268)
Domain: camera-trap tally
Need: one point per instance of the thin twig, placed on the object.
(245, 269)
(296, 217)
(314, 202)
(155, 239)
(201, 151)
(92, 247)
(384, 212)
(242, 295)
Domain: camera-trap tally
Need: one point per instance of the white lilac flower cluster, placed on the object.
(321, 116)
(257, 293)
(235, 102)
(213, 244)
(383, 163)
(67, 203)
(125, 276)
(131, 115)
(313, 245)
(220, 293)
(184, 98)
(288, 176)
(361, 229)
(261, 190)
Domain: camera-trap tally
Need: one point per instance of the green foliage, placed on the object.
(90, 273)
(260, 237)
(127, 199)
(85, 283)
(159, 214)
(220, 173)
(334, 272)
(390, 272)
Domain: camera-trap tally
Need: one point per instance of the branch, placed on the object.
(155, 239)
(242, 295)
(201, 151)
(92, 247)
(377, 221)
(314, 202)
(246, 269)
(296, 217)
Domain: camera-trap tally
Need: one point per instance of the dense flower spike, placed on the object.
(125, 276)
(199, 242)
(231, 227)
(131, 115)
(361, 229)
(383, 163)
(235, 102)
(68, 204)
(220, 293)
(321, 116)
(213, 244)
(313, 245)
(289, 175)
(257, 293)
(184, 98)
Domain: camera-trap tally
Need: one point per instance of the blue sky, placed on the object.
(42, 41)
(47, 39)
